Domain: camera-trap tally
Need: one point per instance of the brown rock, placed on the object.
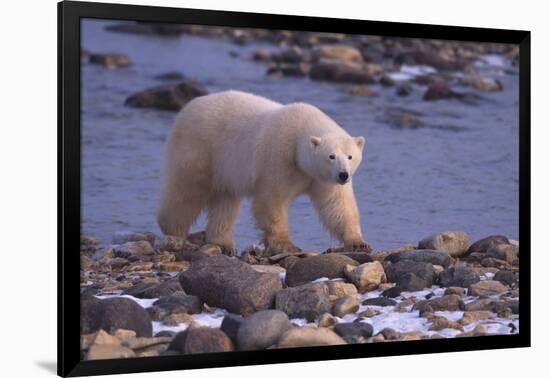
(345, 305)
(305, 270)
(487, 288)
(102, 352)
(366, 277)
(166, 97)
(309, 336)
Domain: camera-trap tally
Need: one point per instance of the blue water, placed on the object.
(460, 172)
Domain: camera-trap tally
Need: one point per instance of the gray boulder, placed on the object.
(454, 243)
(458, 276)
(330, 265)
(226, 282)
(262, 329)
(307, 301)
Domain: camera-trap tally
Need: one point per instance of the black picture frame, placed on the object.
(69, 15)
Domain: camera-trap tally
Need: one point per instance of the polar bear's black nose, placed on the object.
(343, 176)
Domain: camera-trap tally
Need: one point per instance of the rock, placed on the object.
(345, 305)
(174, 244)
(134, 248)
(170, 76)
(102, 352)
(211, 250)
(481, 83)
(173, 266)
(368, 313)
(470, 317)
(289, 69)
(113, 313)
(226, 282)
(293, 54)
(379, 301)
(505, 277)
(287, 262)
(438, 89)
(458, 276)
(353, 333)
(361, 91)
(338, 52)
(387, 81)
(122, 237)
(150, 290)
(482, 304)
(455, 290)
(165, 333)
(327, 320)
(360, 257)
(483, 245)
(230, 325)
(398, 272)
(177, 318)
(262, 330)
(268, 269)
(366, 277)
(261, 54)
(188, 304)
(506, 252)
(340, 288)
(454, 243)
(491, 262)
(487, 288)
(166, 97)
(201, 340)
(441, 322)
(430, 58)
(479, 330)
(330, 265)
(145, 342)
(110, 60)
(402, 119)
(514, 306)
(309, 336)
(403, 90)
(307, 301)
(445, 303)
(389, 334)
(421, 255)
(125, 334)
(340, 72)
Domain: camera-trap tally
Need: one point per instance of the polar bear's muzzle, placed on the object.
(343, 177)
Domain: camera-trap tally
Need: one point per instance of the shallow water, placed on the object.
(460, 172)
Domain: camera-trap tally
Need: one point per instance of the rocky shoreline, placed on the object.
(149, 295)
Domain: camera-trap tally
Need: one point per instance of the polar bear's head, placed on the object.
(334, 158)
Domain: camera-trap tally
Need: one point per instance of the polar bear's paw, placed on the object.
(357, 245)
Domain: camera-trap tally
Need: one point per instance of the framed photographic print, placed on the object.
(241, 185)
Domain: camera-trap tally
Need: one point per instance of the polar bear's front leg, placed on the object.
(339, 214)
(271, 214)
(223, 210)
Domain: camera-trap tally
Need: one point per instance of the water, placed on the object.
(460, 172)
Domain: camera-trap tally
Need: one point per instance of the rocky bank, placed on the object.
(149, 295)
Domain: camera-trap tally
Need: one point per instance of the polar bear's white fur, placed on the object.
(230, 145)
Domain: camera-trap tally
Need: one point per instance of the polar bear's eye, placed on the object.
(331, 157)
(349, 157)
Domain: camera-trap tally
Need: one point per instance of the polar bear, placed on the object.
(230, 145)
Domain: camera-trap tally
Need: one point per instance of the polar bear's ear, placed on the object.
(315, 141)
(360, 141)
